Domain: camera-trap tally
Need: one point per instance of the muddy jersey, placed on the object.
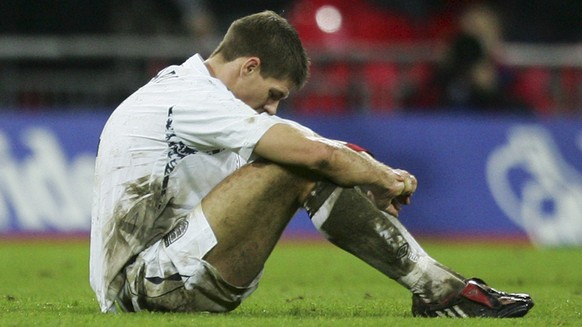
(161, 151)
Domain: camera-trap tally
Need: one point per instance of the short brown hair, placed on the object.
(271, 38)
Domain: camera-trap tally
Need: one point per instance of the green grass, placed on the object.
(46, 284)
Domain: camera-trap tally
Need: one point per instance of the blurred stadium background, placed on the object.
(482, 100)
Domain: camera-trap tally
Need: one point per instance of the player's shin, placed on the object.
(348, 219)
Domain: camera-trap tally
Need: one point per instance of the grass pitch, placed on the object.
(305, 284)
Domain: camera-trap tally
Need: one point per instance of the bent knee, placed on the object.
(293, 179)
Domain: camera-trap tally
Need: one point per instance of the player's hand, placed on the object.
(396, 192)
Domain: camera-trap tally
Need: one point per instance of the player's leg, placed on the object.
(214, 256)
(352, 222)
(241, 221)
(248, 212)
(250, 209)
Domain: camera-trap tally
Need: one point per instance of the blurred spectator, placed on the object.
(198, 19)
(470, 76)
(192, 18)
(345, 32)
(372, 21)
(350, 42)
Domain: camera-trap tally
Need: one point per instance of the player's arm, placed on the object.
(335, 161)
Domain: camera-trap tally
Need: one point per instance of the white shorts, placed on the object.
(171, 275)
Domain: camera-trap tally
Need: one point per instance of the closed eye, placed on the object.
(277, 95)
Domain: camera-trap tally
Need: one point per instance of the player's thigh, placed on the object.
(171, 275)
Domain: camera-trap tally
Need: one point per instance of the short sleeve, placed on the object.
(220, 122)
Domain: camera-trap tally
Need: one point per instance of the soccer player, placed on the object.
(196, 179)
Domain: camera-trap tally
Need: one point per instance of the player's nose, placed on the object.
(271, 107)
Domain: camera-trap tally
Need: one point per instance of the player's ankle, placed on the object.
(432, 282)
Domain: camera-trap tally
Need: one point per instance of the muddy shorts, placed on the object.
(171, 275)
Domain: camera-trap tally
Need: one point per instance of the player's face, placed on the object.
(264, 94)
(261, 94)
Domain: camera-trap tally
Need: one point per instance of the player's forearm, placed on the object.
(388, 188)
(331, 159)
(346, 167)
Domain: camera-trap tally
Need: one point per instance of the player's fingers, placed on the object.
(396, 204)
(399, 174)
(414, 182)
(393, 210)
(409, 181)
(403, 199)
(409, 185)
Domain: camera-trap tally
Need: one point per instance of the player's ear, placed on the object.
(251, 66)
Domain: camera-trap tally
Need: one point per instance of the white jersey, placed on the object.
(161, 151)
